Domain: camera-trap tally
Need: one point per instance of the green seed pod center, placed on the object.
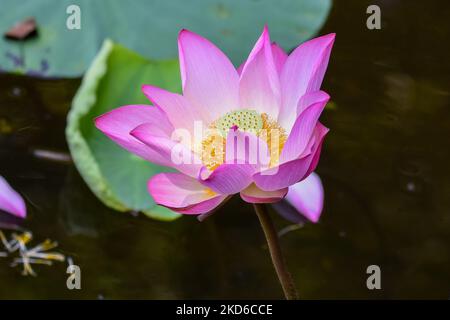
(245, 120)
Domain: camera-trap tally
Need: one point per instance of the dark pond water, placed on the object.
(385, 169)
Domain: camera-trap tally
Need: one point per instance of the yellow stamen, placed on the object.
(275, 137)
(210, 192)
(213, 146)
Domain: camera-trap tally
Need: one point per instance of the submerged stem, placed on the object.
(290, 292)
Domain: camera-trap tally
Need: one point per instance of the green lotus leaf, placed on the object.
(149, 27)
(115, 176)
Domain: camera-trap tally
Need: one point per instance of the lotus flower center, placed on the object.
(247, 120)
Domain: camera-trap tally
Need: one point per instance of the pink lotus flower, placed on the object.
(272, 100)
(10, 200)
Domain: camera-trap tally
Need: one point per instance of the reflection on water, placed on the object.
(384, 169)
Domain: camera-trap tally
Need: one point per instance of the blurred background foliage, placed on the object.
(116, 176)
(149, 27)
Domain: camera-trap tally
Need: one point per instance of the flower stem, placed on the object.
(290, 292)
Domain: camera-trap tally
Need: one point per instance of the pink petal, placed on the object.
(175, 154)
(239, 69)
(284, 175)
(317, 149)
(246, 148)
(178, 109)
(253, 194)
(279, 57)
(204, 207)
(307, 197)
(311, 98)
(11, 201)
(245, 154)
(303, 72)
(210, 81)
(118, 123)
(293, 171)
(183, 194)
(304, 126)
(259, 84)
(228, 178)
